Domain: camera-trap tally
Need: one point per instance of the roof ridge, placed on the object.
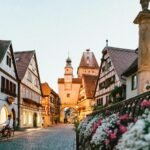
(120, 49)
(24, 51)
(5, 40)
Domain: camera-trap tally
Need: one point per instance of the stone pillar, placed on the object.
(143, 19)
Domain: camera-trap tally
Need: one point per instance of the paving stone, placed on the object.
(61, 137)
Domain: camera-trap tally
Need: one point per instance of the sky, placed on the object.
(55, 28)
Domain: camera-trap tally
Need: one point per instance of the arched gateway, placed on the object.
(68, 113)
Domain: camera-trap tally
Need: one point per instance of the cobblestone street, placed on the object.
(61, 137)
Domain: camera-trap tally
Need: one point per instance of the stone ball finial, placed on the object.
(144, 4)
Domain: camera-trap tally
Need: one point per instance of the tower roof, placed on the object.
(88, 60)
(68, 62)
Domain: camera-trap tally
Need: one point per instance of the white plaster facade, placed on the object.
(129, 91)
(9, 73)
(103, 76)
(30, 96)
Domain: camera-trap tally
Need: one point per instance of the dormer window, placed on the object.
(88, 60)
(8, 61)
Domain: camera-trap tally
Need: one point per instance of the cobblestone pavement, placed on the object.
(61, 137)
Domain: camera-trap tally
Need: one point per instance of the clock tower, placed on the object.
(68, 74)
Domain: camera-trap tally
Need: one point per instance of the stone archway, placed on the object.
(68, 114)
(3, 114)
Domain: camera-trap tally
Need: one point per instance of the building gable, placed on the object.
(27, 68)
(7, 60)
(114, 62)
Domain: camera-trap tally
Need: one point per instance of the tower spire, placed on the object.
(106, 42)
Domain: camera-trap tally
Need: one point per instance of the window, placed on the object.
(112, 80)
(7, 85)
(30, 118)
(2, 84)
(30, 76)
(109, 64)
(134, 82)
(68, 95)
(11, 87)
(3, 114)
(36, 83)
(103, 69)
(101, 85)
(88, 60)
(8, 61)
(100, 101)
(25, 116)
(107, 100)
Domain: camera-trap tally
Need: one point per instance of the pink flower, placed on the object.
(116, 131)
(113, 136)
(124, 117)
(117, 114)
(106, 142)
(145, 103)
(99, 122)
(135, 119)
(95, 126)
(118, 122)
(122, 128)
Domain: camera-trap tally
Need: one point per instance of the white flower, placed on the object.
(136, 137)
(101, 133)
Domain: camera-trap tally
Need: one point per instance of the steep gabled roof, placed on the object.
(89, 85)
(132, 69)
(121, 58)
(88, 60)
(23, 59)
(4, 44)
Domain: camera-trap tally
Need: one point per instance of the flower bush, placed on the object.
(127, 129)
(103, 130)
(138, 136)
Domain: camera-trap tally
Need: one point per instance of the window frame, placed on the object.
(133, 82)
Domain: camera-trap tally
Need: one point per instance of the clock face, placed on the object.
(68, 71)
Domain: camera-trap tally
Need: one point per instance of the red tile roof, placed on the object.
(88, 60)
(132, 69)
(89, 85)
(46, 90)
(23, 59)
